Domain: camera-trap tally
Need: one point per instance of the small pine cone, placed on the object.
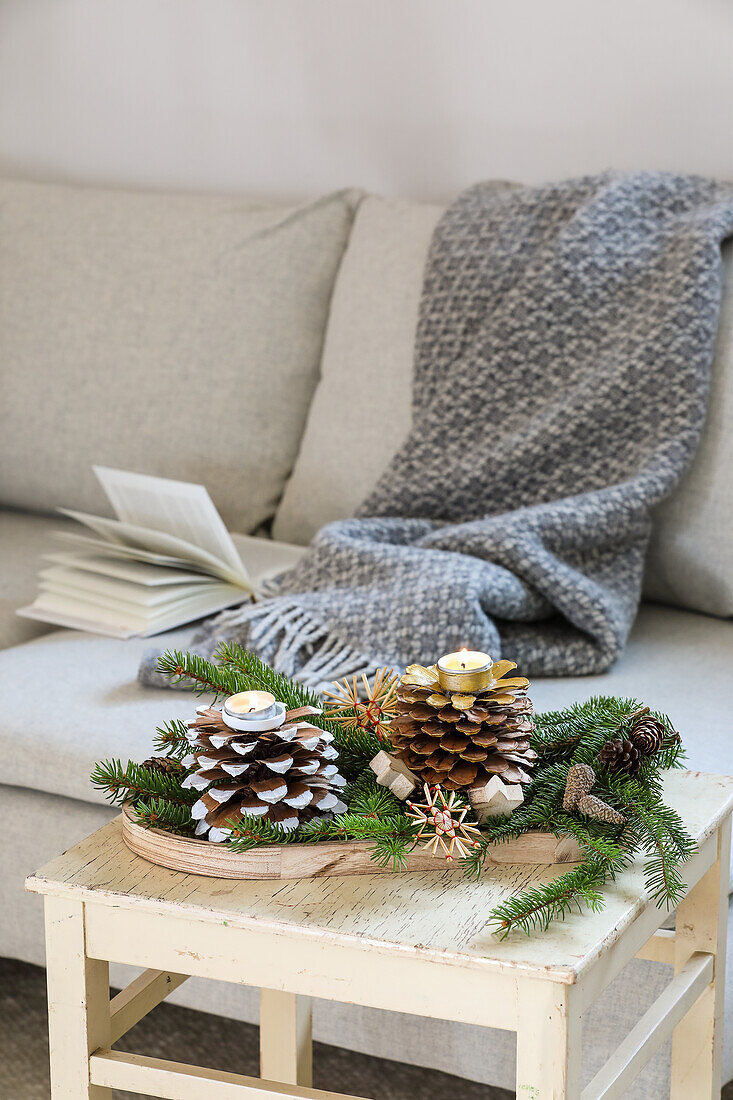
(164, 765)
(647, 734)
(620, 755)
(595, 807)
(579, 782)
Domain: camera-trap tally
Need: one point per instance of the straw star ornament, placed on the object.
(443, 821)
(363, 706)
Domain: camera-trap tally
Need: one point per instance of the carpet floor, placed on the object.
(195, 1037)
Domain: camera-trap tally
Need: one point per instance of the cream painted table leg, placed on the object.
(78, 1002)
(701, 925)
(286, 1038)
(548, 1041)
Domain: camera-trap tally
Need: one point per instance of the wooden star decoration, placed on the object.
(443, 821)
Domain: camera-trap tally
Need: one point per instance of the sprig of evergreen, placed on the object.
(235, 669)
(536, 908)
(122, 784)
(255, 675)
(160, 813)
(356, 747)
(576, 735)
(172, 739)
(202, 676)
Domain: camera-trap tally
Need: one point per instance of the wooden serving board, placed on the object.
(329, 857)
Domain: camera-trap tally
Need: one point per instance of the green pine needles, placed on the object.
(561, 738)
(156, 800)
(575, 736)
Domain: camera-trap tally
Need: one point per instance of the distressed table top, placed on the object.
(435, 913)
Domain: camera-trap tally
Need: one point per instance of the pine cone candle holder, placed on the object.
(459, 739)
(620, 755)
(286, 775)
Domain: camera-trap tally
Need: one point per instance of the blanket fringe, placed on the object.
(286, 636)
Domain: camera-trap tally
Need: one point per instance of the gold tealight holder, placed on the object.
(466, 671)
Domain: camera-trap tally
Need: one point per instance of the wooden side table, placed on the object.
(415, 943)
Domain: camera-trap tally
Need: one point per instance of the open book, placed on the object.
(166, 560)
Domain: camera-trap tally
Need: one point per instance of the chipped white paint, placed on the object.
(415, 943)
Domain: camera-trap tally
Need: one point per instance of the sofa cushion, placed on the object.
(174, 334)
(23, 538)
(361, 412)
(90, 707)
(690, 561)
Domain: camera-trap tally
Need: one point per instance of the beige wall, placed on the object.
(402, 96)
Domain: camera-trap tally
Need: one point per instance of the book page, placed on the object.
(118, 551)
(140, 573)
(178, 508)
(266, 558)
(160, 542)
(81, 614)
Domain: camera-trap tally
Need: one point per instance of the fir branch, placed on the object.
(254, 675)
(172, 739)
(536, 908)
(575, 735)
(370, 800)
(251, 831)
(126, 784)
(391, 851)
(203, 676)
(355, 747)
(159, 813)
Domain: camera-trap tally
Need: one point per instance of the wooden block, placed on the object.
(393, 773)
(494, 798)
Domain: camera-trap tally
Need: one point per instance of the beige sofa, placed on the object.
(266, 351)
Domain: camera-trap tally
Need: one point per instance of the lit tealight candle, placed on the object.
(466, 671)
(253, 710)
(250, 702)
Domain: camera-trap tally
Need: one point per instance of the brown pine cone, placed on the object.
(579, 782)
(164, 765)
(647, 734)
(594, 807)
(620, 755)
(458, 741)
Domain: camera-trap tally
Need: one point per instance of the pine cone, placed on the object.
(164, 765)
(460, 741)
(620, 755)
(286, 775)
(595, 807)
(647, 734)
(579, 782)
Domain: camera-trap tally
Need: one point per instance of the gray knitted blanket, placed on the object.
(561, 371)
